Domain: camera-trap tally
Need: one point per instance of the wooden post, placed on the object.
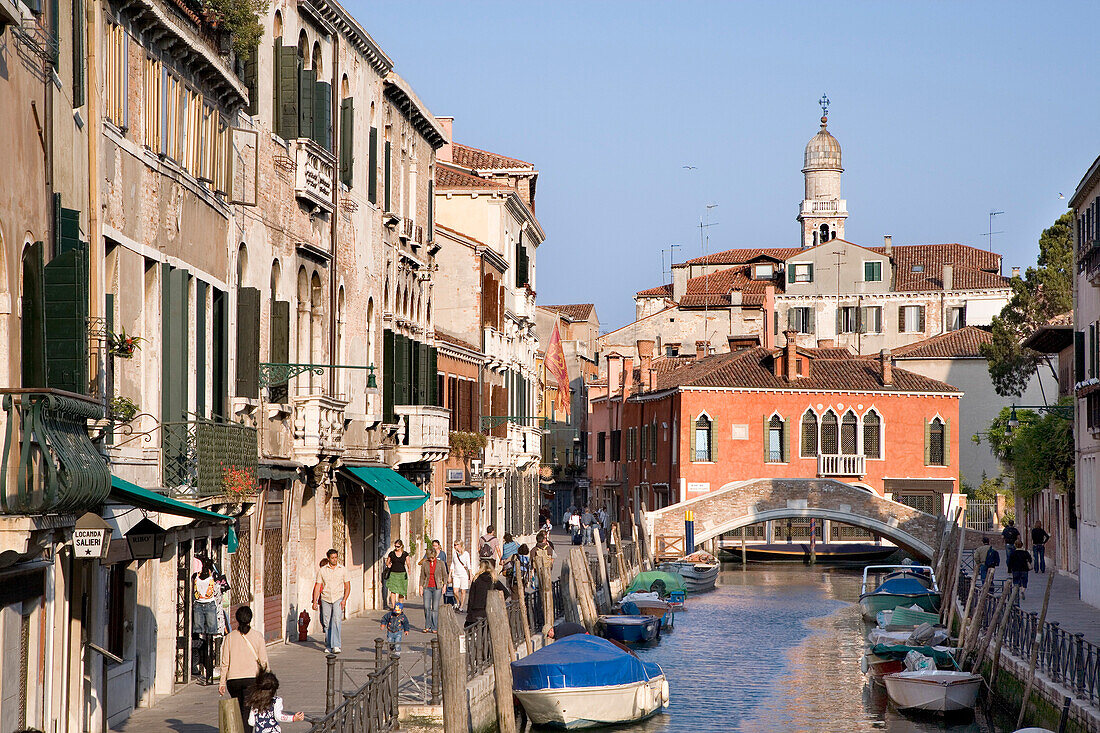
(605, 583)
(744, 552)
(647, 553)
(1035, 649)
(1001, 631)
(454, 672)
(578, 575)
(966, 609)
(568, 597)
(945, 550)
(620, 557)
(637, 545)
(994, 625)
(953, 585)
(941, 527)
(546, 589)
(979, 611)
(521, 599)
(500, 638)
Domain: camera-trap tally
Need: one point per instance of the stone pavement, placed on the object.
(1065, 607)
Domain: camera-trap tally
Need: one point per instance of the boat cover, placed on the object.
(903, 586)
(580, 661)
(898, 651)
(629, 620)
(645, 581)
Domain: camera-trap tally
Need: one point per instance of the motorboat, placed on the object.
(824, 553)
(649, 604)
(901, 585)
(629, 629)
(933, 690)
(664, 584)
(886, 659)
(699, 571)
(585, 681)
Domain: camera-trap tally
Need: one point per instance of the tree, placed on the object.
(1044, 291)
(1039, 449)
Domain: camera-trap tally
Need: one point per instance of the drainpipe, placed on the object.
(94, 126)
(334, 115)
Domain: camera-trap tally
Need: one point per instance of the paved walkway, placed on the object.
(1065, 607)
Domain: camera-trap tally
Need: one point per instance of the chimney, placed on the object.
(614, 374)
(700, 349)
(628, 376)
(1015, 272)
(826, 343)
(886, 362)
(888, 244)
(645, 360)
(444, 153)
(790, 354)
(948, 277)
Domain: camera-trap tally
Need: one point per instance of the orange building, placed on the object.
(676, 428)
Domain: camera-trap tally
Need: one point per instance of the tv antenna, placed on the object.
(990, 233)
(671, 249)
(704, 243)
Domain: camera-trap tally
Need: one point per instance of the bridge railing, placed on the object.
(670, 547)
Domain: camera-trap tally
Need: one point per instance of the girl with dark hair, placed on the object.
(207, 596)
(244, 655)
(265, 707)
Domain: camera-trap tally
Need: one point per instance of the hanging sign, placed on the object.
(91, 537)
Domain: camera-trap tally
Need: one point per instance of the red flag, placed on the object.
(555, 367)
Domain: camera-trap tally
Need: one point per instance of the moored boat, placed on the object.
(584, 681)
(831, 553)
(909, 585)
(648, 604)
(933, 690)
(629, 629)
(699, 571)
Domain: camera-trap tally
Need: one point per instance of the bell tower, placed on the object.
(822, 212)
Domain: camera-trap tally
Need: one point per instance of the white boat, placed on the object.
(698, 570)
(933, 690)
(588, 707)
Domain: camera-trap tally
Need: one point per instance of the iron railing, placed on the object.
(981, 515)
(1064, 657)
(478, 649)
(197, 453)
(370, 708)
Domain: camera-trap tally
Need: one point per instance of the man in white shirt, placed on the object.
(330, 595)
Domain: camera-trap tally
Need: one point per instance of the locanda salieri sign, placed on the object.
(91, 536)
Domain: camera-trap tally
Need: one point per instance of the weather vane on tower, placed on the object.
(824, 102)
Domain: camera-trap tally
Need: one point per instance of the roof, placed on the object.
(753, 368)
(741, 256)
(972, 268)
(714, 288)
(469, 157)
(447, 177)
(448, 339)
(965, 343)
(574, 311)
(404, 98)
(661, 291)
(1053, 336)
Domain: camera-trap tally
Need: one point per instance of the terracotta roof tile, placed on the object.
(714, 289)
(447, 338)
(973, 268)
(961, 344)
(447, 177)
(469, 157)
(574, 311)
(661, 291)
(743, 255)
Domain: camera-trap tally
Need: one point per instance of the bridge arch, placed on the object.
(743, 503)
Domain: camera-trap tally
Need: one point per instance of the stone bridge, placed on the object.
(758, 500)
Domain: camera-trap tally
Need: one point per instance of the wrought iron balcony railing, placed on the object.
(49, 463)
(196, 455)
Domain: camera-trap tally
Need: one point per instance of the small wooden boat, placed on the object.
(905, 585)
(933, 690)
(635, 605)
(656, 581)
(584, 681)
(885, 659)
(826, 553)
(698, 570)
(629, 629)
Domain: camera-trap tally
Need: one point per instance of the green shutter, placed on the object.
(200, 346)
(786, 441)
(372, 167)
(927, 443)
(767, 439)
(811, 271)
(66, 228)
(32, 323)
(1079, 355)
(279, 346)
(387, 376)
(322, 114)
(65, 318)
(78, 53)
(248, 343)
(920, 323)
(692, 431)
(55, 28)
(386, 175)
(947, 442)
(810, 319)
(433, 370)
(220, 362)
(401, 370)
(251, 79)
(276, 86)
(347, 128)
(431, 210)
(288, 93)
(306, 89)
(174, 371)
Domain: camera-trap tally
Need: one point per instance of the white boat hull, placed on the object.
(587, 707)
(697, 577)
(936, 691)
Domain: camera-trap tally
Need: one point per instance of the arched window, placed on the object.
(277, 25)
(849, 429)
(829, 442)
(303, 49)
(935, 442)
(316, 327)
(809, 434)
(703, 448)
(824, 233)
(316, 60)
(242, 264)
(872, 435)
(777, 444)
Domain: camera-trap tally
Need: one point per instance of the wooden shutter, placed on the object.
(692, 454)
(220, 362)
(276, 87)
(32, 323)
(174, 343)
(920, 320)
(453, 403)
(423, 393)
(431, 210)
(66, 228)
(389, 367)
(65, 315)
(471, 405)
(386, 176)
(251, 79)
(947, 442)
(279, 346)
(810, 269)
(306, 94)
(322, 114)
(347, 128)
(1079, 356)
(78, 53)
(248, 342)
(200, 346)
(927, 443)
(767, 438)
(288, 92)
(901, 319)
(402, 368)
(712, 441)
(372, 167)
(810, 314)
(786, 457)
(436, 398)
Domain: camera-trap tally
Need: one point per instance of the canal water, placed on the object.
(777, 648)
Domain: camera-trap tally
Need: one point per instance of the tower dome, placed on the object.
(823, 151)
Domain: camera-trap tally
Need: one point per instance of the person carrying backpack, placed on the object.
(488, 546)
(1010, 534)
(992, 561)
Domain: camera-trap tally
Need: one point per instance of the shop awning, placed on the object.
(465, 492)
(125, 492)
(401, 495)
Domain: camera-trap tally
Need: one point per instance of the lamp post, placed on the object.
(1063, 411)
(146, 540)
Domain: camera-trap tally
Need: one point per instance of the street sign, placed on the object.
(91, 537)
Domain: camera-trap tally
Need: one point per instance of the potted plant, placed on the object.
(123, 345)
(238, 482)
(124, 409)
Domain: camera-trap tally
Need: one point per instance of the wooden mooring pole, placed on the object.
(500, 639)
(1035, 649)
(543, 564)
(454, 672)
(605, 582)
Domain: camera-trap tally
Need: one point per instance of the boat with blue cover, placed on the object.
(585, 681)
(636, 629)
(901, 585)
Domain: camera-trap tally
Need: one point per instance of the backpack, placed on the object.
(993, 559)
(485, 550)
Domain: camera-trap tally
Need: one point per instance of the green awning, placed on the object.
(401, 495)
(125, 492)
(466, 492)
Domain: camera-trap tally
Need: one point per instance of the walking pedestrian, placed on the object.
(244, 655)
(980, 555)
(396, 624)
(460, 574)
(479, 592)
(488, 547)
(508, 555)
(439, 551)
(397, 582)
(1039, 538)
(587, 520)
(266, 707)
(1018, 563)
(575, 527)
(1010, 534)
(605, 524)
(433, 578)
(330, 595)
(205, 610)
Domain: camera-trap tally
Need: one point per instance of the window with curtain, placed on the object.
(829, 442)
(809, 434)
(702, 439)
(849, 427)
(775, 440)
(872, 435)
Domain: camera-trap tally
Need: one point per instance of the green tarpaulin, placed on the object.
(645, 582)
(401, 495)
(466, 492)
(898, 651)
(125, 492)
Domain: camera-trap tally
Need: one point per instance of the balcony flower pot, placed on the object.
(123, 345)
(238, 482)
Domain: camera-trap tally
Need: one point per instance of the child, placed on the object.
(265, 707)
(393, 623)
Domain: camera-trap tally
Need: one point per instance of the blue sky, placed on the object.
(944, 111)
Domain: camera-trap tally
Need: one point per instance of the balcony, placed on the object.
(837, 207)
(525, 443)
(318, 426)
(841, 465)
(50, 463)
(195, 455)
(424, 433)
(497, 348)
(313, 174)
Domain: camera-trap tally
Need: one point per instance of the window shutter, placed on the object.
(201, 369)
(322, 114)
(775, 322)
(288, 93)
(810, 320)
(712, 442)
(693, 432)
(219, 363)
(279, 348)
(767, 439)
(372, 167)
(65, 312)
(920, 322)
(791, 317)
(78, 53)
(431, 210)
(386, 178)
(839, 320)
(810, 269)
(786, 441)
(55, 28)
(436, 396)
(174, 323)
(425, 377)
(1079, 356)
(32, 323)
(1092, 350)
(472, 424)
(251, 79)
(66, 228)
(927, 443)
(859, 320)
(306, 93)
(947, 442)
(388, 376)
(901, 319)
(248, 342)
(347, 128)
